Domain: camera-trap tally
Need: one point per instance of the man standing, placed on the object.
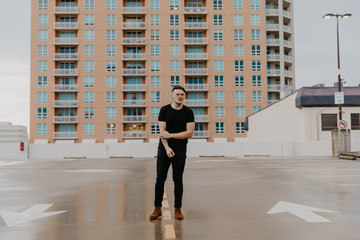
(176, 123)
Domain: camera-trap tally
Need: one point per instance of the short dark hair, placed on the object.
(178, 87)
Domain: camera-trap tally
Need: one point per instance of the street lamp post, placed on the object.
(327, 16)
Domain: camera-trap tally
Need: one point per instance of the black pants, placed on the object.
(162, 166)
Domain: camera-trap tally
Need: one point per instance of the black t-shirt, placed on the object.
(176, 121)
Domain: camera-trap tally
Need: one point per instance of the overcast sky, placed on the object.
(315, 50)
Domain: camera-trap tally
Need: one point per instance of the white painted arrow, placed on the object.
(301, 211)
(35, 212)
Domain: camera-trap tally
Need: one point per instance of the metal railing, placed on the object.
(196, 71)
(66, 88)
(288, 73)
(273, 57)
(65, 135)
(272, 12)
(134, 25)
(195, 40)
(66, 56)
(287, 43)
(66, 41)
(201, 56)
(196, 25)
(134, 134)
(271, 101)
(134, 87)
(66, 72)
(138, 118)
(134, 10)
(274, 87)
(201, 134)
(273, 42)
(287, 29)
(66, 10)
(273, 72)
(134, 72)
(272, 26)
(197, 102)
(66, 25)
(288, 58)
(197, 87)
(134, 41)
(65, 103)
(201, 118)
(134, 56)
(195, 10)
(134, 103)
(286, 14)
(66, 119)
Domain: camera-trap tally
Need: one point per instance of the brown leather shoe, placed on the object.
(178, 214)
(156, 214)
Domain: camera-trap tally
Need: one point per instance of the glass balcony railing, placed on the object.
(66, 88)
(134, 103)
(138, 118)
(197, 102)
(196, 71)
(196, 25)
(134, 72)
(65, 10)
(66, 56)
(196, 56)
(65, 119)
(134, 25)
(134, 41)
(201, 134)
(133, 134)
(66, 72)
(195, 10)
(65, 135)
(66, 41)
(197, 87)
(134, 10)
(66, 25)
(134, 87)
(65, 103)
(195, 41)
(134, 56)
(201, 118)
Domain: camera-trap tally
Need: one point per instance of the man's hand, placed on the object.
(170, 152)
(166, 135)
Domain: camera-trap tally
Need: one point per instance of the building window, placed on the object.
(238, 35)
(111, 128)
(43, 20)
(110, 97)
(42, 50)
(89, 129)
(174, 66)
(89, 97)
(89, 66)
(155, 50)
(240, 127)
(42, 82)
(110, 4)
(219, 81)
(155, 129)
(218, 20)
(328, 122)
(218, 66)
(89, 50)
(239, 112)
(155, 66)
(218, 50)
(89, 113)
(111, 19)
(238, 50)
(110, 81)
(43, 4)
(174, 4)
(42, 113)
(218, 5)
(256, 81)
(42, 97)
(174, 19)
(41, 129)
(89, 81)
(174, 35)
(154, 19)
(255, 50)
(238, 20)
(355, 121)
(219, 127)
(155, 35)
(155, 5)
(155, 112)
(255, 35)
(255, 20)
(174, 80)
(238, 4)
(239, 65)
(111, 66)
(174, 50)
(90, 35)
(219, 112)
(42, 66)
(43, 35)
(89, 19)
(239, 96)
(218, 35)
(219, 96)
(111, 35)
(111, 50)
(255, 5)
(155, 97)
(256, 65)
(239, 81)
(155, 81)
(256, 109)
(256, 96)
(110, 113)
(89, 5)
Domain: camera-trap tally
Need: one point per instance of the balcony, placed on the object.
(272, 12)
(273, 72)
(66, 56)
(197, 87)
(66, 25)
(133, 10)
(134, 25)
(288, 73)
(201, 118)
(195, 41)
(134, 41)
(195, 10)
(197, 102)
(134, 119)
(196, 25)
(134, 87)
(66, 88)
(65, 135)
(133, 134)
(273, 42)
(200, 134)
(66, 10)
(66, 41)
(271, 101)
(272, 27)
(288, 59)
(287, 14)
(134, 72)
(196, 71)
(274, 87)
(287, 29)
(66, 72)
(65, 103)
(289, 1)
(273, 57)
(287, 43)
(134, 103)
(66, 119)
(196, 56)
(134, 56)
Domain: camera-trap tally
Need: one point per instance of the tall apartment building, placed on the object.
(101, 69)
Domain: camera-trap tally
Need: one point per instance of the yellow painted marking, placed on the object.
(165, 195)
(169, 232)
(165, 203)
(166, 215)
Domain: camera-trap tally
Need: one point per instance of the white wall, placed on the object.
(12, 151)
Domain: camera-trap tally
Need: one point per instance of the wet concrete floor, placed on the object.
(224, 198)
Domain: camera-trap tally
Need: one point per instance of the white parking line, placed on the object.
(169, 232)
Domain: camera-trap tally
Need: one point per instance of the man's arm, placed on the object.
(169, 151)
(190, 127)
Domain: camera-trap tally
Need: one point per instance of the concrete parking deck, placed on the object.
(224, 198)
